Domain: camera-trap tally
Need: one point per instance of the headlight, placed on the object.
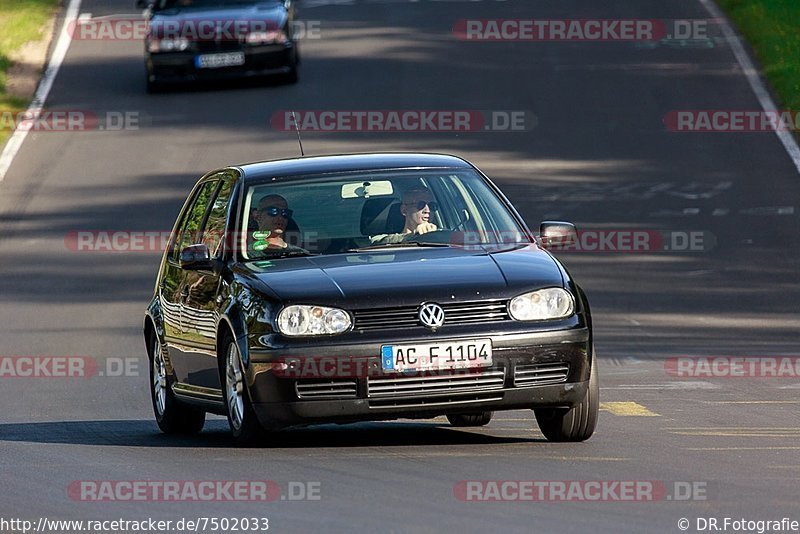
(167, 45)
(272, 37)
(550, 303)
(312, 321)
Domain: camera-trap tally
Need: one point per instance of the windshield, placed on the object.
(333, 214)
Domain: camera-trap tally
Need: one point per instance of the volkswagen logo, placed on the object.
(431, 315)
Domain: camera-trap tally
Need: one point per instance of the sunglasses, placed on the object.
(422, 203)
(274, 211)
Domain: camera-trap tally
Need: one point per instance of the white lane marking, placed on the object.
(753, 78)
(667, 385)
(42, 92)
(768, 210)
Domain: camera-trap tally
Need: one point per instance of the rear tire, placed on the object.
(242, 418)
(470, 419)
(577, 423)
(172, 416)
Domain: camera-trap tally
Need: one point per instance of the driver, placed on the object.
(416, 208)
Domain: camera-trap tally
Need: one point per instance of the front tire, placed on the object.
(577, 423)
(470, 419)
(172, 416)
(153, 87)
(291, 77)
(242, 418)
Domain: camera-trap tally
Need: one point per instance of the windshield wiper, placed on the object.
(404, 244)
(491, 248)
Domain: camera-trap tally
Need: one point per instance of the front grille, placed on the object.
(436, 400)
(206, 46)
(539, 374)
(327, 389)
(484, 311)
(433, 386)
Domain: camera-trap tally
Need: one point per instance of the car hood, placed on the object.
(404, 276)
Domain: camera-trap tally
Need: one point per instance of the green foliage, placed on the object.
(772, 28)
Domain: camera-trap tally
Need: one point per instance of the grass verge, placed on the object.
(772, 28)
(21, 21)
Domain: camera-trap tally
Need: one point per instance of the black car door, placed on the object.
(200, 307)
(172, 288)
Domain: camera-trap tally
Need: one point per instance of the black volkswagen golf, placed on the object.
(365, 287)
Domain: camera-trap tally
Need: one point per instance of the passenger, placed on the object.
(272, 217)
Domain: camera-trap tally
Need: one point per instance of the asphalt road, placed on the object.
(599, 155)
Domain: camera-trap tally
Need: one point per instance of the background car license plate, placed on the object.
(215, 61)
(437, 356)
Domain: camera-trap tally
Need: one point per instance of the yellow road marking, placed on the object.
(627, 409)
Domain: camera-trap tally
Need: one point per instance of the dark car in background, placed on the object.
(293, 292)
(196, 40)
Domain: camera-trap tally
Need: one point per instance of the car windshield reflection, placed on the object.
(353, 212)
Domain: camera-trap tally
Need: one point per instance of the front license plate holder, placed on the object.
(218, 61)
(439, 356)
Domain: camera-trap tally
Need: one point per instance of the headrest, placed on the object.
(381, 215)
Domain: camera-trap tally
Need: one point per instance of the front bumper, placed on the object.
(529, 370)
(259, 61)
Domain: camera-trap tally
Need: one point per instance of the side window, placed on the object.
(188, 233)
(215, 227)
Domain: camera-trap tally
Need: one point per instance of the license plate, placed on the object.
(437, 356)
(216, 61)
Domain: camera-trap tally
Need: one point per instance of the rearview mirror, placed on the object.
(367, 189)
(557, 234)
(196, 258)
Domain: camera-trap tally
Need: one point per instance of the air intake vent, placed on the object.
(540, 374)
(327, 389)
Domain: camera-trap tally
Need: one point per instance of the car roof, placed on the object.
(348, 162)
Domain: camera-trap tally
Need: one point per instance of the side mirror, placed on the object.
(196, 258)
(557, 235)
